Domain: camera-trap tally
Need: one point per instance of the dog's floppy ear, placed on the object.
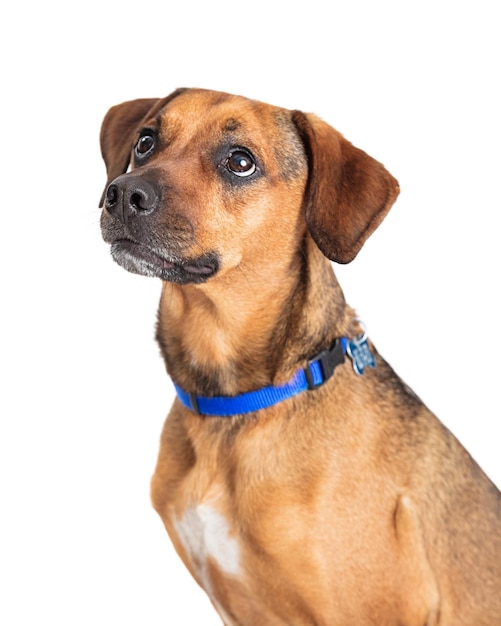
(348, 192)
(119, 128)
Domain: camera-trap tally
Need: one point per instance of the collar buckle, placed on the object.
(321, 367)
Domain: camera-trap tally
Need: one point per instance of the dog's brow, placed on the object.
(169, 127)
(151, 122)
(237, 121)
(232, 124)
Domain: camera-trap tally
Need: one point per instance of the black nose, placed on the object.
(129, 196)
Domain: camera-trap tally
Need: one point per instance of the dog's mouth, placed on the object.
(140, 259)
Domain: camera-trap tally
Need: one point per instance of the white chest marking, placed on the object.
(205, 534)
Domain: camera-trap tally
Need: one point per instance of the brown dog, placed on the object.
(300, 480)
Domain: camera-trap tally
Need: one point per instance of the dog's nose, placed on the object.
(128, 196)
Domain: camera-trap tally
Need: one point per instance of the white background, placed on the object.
(83, 389)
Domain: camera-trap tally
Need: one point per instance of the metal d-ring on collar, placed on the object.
(317, 371)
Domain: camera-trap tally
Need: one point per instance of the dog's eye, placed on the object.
(144, 144)
(241, 162)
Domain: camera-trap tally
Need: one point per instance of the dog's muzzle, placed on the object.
(139, 245)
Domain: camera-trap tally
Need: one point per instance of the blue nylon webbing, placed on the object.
(224, 406)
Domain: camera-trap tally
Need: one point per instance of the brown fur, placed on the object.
(350, 504)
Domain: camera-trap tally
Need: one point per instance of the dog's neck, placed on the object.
(224, 338)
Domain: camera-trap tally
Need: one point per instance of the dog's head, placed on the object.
(216, 180)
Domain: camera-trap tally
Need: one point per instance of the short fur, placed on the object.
(347, 505)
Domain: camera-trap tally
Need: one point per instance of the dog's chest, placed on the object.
(212, 550)
(207, 539)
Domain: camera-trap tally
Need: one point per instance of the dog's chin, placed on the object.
(139, 259)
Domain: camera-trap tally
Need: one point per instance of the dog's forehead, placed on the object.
(198, 113)
(202, 118)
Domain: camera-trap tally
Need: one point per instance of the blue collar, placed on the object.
(316, 373)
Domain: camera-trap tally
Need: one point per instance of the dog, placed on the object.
(299, 479)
